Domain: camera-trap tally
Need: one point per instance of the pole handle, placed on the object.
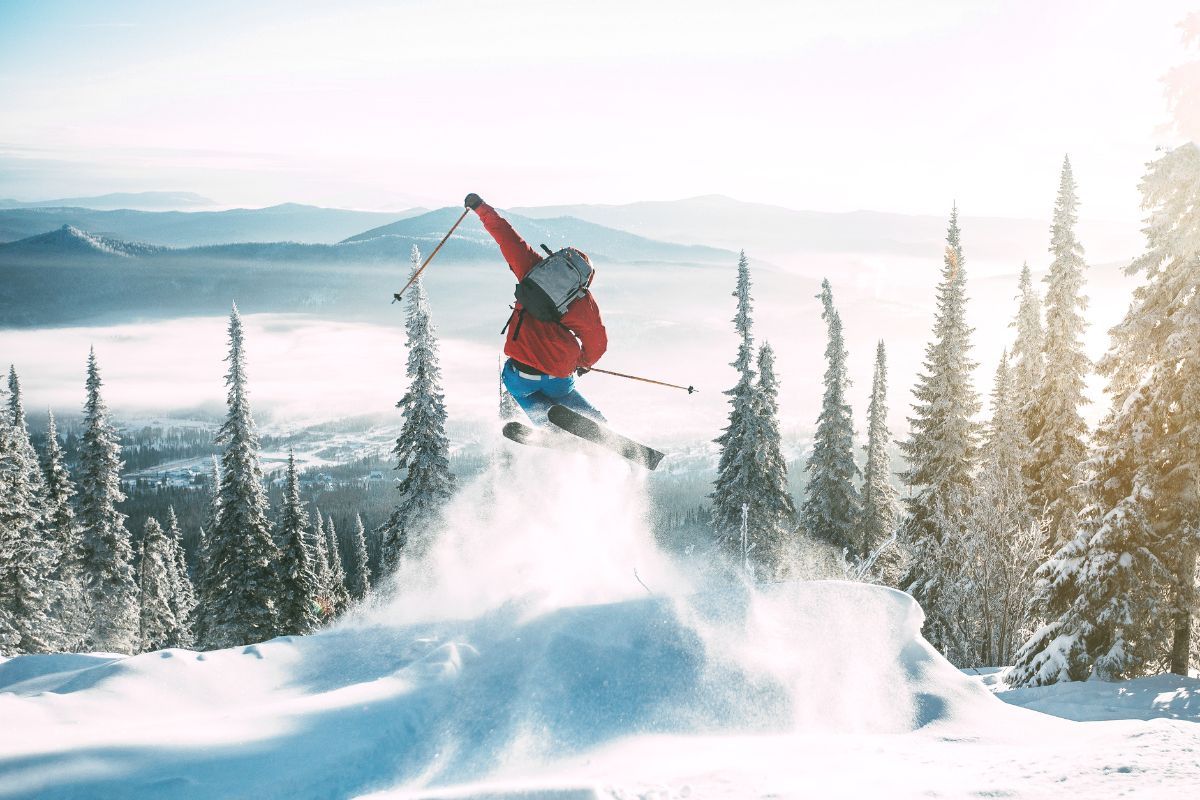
(400, 294)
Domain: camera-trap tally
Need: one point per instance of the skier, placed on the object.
(544, 357)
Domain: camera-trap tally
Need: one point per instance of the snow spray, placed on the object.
(540, 529)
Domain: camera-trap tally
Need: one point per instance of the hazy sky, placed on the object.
(896, 105)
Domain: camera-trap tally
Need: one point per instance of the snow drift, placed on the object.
(521, 644)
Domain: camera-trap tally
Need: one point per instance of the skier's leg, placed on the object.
(562, 392)
(527, 392)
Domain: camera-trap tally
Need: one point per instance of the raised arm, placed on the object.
(516, 251)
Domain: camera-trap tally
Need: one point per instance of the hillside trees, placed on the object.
(942, 447)
(832, 506)
(359, 583)
(1118, 596)
(751, 472)
(106, 552)
(241, 583)
(1058, 431)
(159, 625)
(880, 501)
(298, 609)
(422, 449)
(62, 536)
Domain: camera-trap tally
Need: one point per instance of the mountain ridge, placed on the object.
(113, 201)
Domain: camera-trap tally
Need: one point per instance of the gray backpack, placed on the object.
(554, 283)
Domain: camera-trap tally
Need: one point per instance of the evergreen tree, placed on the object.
(879, 498)
(997, 546)
(158, 626)
(772, 514)
(1127, 604)
(299, 612)
(1157, 347)
(106, 552)
(62, 533)
(942, 446)
(1029, 351)
(360, 571)
(29, 464)
(183, 592)
(23, 619)
(1098, 592)
(1058, 432)
(832, 506)
(339, 598)
(738, 475)
(203, 586)
(29, 557)
(422, 449)
(321, 563)
(241, 581)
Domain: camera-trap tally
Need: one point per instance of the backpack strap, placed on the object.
(516, 329)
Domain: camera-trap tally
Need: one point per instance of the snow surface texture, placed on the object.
(524, 659)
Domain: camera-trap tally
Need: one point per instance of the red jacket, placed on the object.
(555, 348)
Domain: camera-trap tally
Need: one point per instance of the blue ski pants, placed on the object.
(536, 393)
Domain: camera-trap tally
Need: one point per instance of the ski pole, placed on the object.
(688, 389)
(429, 258)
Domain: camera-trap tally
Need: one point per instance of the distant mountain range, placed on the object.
(70, 275)
(392, 243)
(779, 234)
(140, 201)
(712, 225)
(283, 223)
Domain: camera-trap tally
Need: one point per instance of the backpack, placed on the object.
(554, 283)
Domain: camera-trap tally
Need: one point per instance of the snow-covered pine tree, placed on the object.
(772, 513)
(942, 447)
(321, 565)
(106, 551)
(738, 477)
(359, 583)
(1155, 353)
(299, 612)
(1101, 592)
(338, 596)
(998, 547)
(12, 514)
(62, 532)
(1028, 358)
(24, 448)
(183, 592)
(880, 501)
(28, 558)
(1058, 432)
(158, 626)
(241, 582)
(201, 618)
(832, 506)
(1122, 603)
(422, 449)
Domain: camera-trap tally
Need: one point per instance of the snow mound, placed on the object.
(443, 703)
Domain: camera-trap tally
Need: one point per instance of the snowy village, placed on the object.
(635, 401)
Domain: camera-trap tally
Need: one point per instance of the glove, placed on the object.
(473, 201)
(581, 371)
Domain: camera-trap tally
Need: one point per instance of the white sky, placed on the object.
(879, 104)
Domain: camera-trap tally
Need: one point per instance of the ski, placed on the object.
(521, 433)
(586, 428)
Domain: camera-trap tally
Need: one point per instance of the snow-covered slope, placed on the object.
(523, 658)
(71, 241)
